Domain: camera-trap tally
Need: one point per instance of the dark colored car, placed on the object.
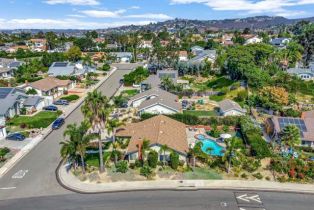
(61, 102)
(15, 137)
(50, 108)
(57, 123)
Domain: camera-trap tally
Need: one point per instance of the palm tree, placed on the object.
(196, 151)
(112, 126)
(163, 149)
(290, 135)
(231, 148)
(68, 152)
(78, 141)
(96, 110)
(167, 83)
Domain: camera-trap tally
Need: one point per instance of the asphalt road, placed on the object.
(34, 175)
(163, 200)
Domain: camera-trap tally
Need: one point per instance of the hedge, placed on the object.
(70, 97)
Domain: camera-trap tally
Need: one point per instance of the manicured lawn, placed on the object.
(70, 97)
(202, 173)
(41, 120)
(93, 159)
(219, 83)
(129, 93)
(201, 113)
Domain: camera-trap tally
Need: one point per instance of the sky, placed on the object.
(96, 14)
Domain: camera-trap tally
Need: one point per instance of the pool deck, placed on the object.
(192, 139)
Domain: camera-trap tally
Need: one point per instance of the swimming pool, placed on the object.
(216, 149)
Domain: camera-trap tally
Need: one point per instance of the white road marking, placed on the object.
(20, 174)
(7, 188)
(248, 199)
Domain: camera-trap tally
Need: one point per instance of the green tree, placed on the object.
(152, 159)
(52, 40)
(74, 54)
(174, 160)
(232, 146)
(112, 126)
(96, 110)
(290, 135)
(78, 141)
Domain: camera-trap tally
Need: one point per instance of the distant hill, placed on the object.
(258, 22)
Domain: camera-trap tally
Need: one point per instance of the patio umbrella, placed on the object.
(225, 136)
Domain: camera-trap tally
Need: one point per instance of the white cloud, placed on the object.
(103, 13)
(62, 24)
(262, 6)
(135, 7)
(73, 2)
(76, 16)
(150, 16)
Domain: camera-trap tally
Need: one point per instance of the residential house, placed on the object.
(7, 67)
(122, 57)
(50, 87)
(34, 103)
(146, 44)
(69, 69)
(155, 101)
(13, 49)
(159, 130)
(164, 43)
(226, 39)
(38, 45)
(183, 55)
(112, 46)
(11, 102)
(305, 123)
(209, 55)
(252, 39)
(280, 42)
(228, 107)
(303, 73)
(195, 50)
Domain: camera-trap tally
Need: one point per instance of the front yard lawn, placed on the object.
(202, 173)
(70, 98)
(219, 83)
(129, 93)
(41, 120)
(201, 113)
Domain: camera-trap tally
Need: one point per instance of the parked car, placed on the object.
(61, 102)
(15, 137)
(57, 123)
(50, 108)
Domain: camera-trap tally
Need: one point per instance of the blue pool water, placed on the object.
(217, 150)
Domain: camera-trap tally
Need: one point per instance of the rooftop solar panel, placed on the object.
(60, 64)
(283, 122)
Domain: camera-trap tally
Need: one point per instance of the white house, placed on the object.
(253, 40)
(155, 101)
(230, 108)
(159, 130)
(183, 56)
(50, 87)
(7, 67)
(146, 44)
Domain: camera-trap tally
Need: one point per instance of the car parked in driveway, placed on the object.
(50, 108)
(57, 123)
(61, 102)
(15, 137)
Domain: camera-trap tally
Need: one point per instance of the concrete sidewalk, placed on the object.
(35, 141)
(70, 182)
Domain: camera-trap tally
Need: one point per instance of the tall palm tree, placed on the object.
(78, 141)
(112, 126)
(96, 110)
(231, 149)
(290, 135)
(68, 152)
(163, 149)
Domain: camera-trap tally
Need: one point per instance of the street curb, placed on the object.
(4, 169)
(247, 189)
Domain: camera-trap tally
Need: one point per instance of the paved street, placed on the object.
(34, 175)
(162, 200)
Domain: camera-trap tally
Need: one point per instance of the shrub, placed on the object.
(138, 163)
(146, 171)
(244, 176)
(136, 76)
(31, 91)
(152, 159)
(122, 166)
(267, 178)
(3, 152)
(174, 160)
(258, 175)
(70, 97)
